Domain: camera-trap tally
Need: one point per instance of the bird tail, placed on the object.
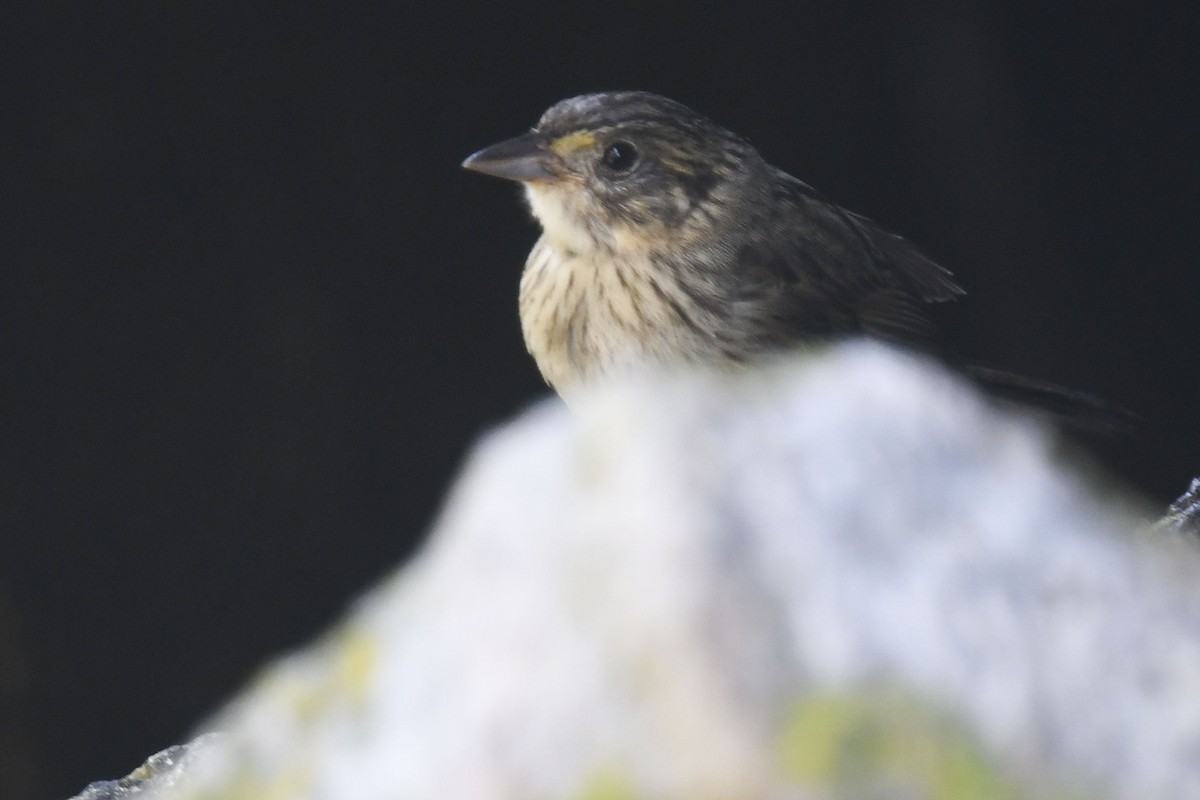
(1078, 411)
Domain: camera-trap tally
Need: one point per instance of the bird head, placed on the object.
(628, 171)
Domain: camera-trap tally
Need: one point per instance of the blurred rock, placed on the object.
(844, 576)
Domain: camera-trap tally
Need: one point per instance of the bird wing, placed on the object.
(823, 270)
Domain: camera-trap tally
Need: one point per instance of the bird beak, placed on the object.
(525, 158)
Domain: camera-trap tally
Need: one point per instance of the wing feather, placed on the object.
(827, 271)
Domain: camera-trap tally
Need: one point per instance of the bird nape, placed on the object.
(667, 239)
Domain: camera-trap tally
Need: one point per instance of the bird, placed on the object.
(669, 240)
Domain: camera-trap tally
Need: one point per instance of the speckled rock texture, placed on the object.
(163, 775)
(1183, 516)
(842, 576)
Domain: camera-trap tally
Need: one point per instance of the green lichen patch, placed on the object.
(886, 745)
(608, 784)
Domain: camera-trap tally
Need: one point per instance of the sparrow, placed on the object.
(668, 240)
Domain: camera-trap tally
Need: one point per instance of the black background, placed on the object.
(252, 314)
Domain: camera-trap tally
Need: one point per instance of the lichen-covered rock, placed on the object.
(1184, 514)
(845, 576)
(162, 776)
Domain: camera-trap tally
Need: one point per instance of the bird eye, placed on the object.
(620, 156)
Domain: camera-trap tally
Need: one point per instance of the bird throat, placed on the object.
(562, 224)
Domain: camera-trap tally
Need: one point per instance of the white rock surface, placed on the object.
(706, 586)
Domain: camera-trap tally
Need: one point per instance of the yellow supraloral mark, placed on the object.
(573, 143)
